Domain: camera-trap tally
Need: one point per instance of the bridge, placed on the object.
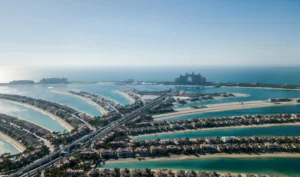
(49, 160)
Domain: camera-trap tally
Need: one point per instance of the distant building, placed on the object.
(54, 81)
(190, 79)
(21, 82)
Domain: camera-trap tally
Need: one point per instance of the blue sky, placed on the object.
(157, 32)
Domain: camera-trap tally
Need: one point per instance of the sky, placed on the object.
(149, 33)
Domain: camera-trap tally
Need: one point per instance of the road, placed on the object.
(50, 159)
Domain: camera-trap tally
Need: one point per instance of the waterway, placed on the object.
(275, 166)
(5, 147)
(251, 131)
(30, 115)
(263, 110)
(270, 165)
(254, 94)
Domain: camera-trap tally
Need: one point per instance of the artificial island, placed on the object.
(89, 142)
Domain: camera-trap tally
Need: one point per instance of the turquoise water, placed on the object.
(44, 92)
(275, 75)
(263, 75)
(254, 94)
(279, 166)
(5, 147)
(30, 115)
(259, 131)
(264, 110)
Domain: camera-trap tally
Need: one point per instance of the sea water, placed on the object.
(264, 110)
(30, 115)
(287, 130)
(5, 147)
(273, 75)
(275, 166)
(262, 75)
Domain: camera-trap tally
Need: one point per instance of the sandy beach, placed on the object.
(128, 97)
(54, 117)
(223, 107)
(105, 83)
(66, 92)
(269, 88)
(219, 128)
(217, 155)
(203, 101)
(20, 147)
(239, 95)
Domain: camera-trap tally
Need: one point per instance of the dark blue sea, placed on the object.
(274, 75)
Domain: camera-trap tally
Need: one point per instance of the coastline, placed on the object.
(222, 107)
(269, 88)
(54, 117)
(217, 155)
(128, 97)
(20, 147)
(218, 128)
(66, 92)
(237, 95)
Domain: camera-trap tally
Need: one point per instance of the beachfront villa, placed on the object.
(142, 151)
(208, 148)
(118, 144)
(124, 152)
(107, 153)
(156, 149)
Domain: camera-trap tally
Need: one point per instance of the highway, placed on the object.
(49, 160)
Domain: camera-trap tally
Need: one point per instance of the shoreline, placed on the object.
(54, 117)
(217, 128)
(223, 107)
(210, 156)
(159, 84)
(16, 144)
(269, 88)
(124, 94)
(237, 95)
(66, 92)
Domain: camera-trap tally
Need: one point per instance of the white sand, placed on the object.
(223, 107)
(54, 117)
(20, 147)
(203, 101)
(269, 88)
(217, 155)
(124, 94)
(66, 92)
(218, 128)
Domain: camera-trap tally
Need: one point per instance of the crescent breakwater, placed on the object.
(224, 107)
